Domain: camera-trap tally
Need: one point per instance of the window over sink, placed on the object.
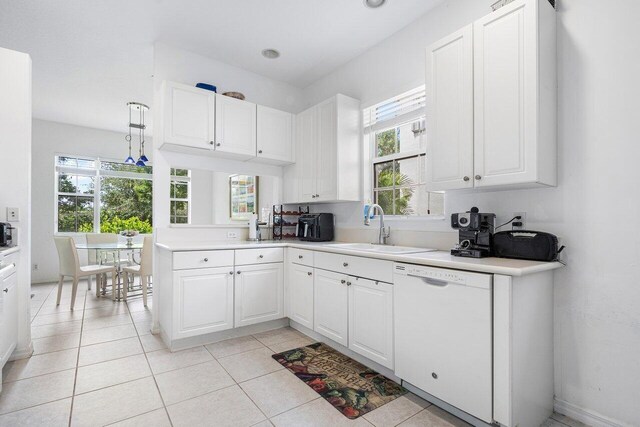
(395, 140)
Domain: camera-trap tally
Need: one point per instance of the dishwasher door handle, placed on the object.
(430, 281)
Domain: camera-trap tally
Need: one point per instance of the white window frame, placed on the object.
(374, 125)
(95, 172)
(187, 180)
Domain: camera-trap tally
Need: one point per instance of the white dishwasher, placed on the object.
(443, 339)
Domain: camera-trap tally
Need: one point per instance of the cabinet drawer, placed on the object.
(301, 256)
(202, 259)
(259, 256)
(355, 266)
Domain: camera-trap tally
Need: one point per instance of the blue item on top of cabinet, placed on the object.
(207, 86)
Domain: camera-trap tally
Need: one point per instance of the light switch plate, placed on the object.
(13, 214)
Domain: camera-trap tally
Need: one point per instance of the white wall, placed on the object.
(15, 185)
(49, 139)
(597, 297)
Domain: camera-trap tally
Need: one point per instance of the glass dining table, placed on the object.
(112, 253)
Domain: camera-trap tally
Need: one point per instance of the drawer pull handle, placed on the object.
(309, 273)
(345, 264)
(206, 260)
(434, 375)
(300, 256)
(260, 256)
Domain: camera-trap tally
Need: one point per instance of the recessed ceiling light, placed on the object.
(373, 3)
(270, 53)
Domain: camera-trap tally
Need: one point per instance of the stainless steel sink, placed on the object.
(384, 249)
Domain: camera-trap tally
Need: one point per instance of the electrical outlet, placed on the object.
(13, 214)
(523, 220)
(232, 235)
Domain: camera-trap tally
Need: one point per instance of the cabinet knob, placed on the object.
(317, 195)
(231, 272)
(218, 144)
(348, 283)
(260, 256)
(466, 178)
(345, 264)
(434, 375)
(343, 281)
(206, 260)
(309, 273)
(478, 177)
(313, 196)
(5, 290)
(211, 142)
(300, 257)
(259, 151)
(238, 272)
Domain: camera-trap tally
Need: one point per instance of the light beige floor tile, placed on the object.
(55, 343)
(316, 413)
(51, 308)
(265, 423)
(234, 346)
(226, 407)
(250, 364)
(143, 328)
(56, 329)
(106, 374)
(115, 309)
(434, 417)
(152, 342)
(36, 391)
(278, 335)
(63, 316)
(550, 422)
(93, 302)
(278, 392)
(157, 418)
(96, 336)
(136, 304)
(141, 316)
(164, 360)
(567, 421)
(124, 401)
(110, 350)
(54, 414)
(40, 364)
(106, 322)
(396, 411)
(186, 383)
(291, 344)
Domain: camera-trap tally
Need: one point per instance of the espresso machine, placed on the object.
(475, 233)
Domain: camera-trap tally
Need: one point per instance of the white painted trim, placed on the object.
(583, 415)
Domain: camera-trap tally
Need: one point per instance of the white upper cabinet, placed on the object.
(513, 103)
(328, 155)
(449, 93)
(275, 136)
(188, 116)
(235, 128)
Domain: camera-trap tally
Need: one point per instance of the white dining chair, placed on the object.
(94, 256)
(144, 270)
(70, 267)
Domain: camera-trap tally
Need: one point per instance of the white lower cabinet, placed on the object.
(259, 293)
(204, 301)
(330, 307)
(301, 294)
(8, 313)
(371, 320)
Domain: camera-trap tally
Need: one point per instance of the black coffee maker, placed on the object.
(315, 227)
(475, 233)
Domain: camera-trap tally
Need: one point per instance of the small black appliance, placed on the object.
(316, 227)
(475, 233)
(6, 234)
(526, 244)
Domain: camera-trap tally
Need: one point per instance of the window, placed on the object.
(179, 196)
(101, 196)
(395, 135)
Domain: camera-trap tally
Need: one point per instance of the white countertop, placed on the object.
(509, 267)
(8, 250)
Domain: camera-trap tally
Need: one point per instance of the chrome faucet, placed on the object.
(384, 233)
(258, 230)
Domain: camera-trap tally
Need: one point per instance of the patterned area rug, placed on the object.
(349, 386)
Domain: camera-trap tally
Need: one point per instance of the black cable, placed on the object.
(509, 222)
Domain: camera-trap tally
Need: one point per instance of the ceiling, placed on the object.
(91, 57)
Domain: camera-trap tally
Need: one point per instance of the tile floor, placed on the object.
(99, 365)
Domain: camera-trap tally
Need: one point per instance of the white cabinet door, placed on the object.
(506, 95)
(371, 320)
(188, 116)
(330, 305)
(449, 66)
(235, 128)
(9, 316)
(300, 293)
(326, 158)
(259, 293)
(204, 301)
(275, 135)
(306, 123)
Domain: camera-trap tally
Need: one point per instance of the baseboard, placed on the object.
(586, 416)
(22, 353)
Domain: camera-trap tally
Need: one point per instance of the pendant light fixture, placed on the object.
(140, 109)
